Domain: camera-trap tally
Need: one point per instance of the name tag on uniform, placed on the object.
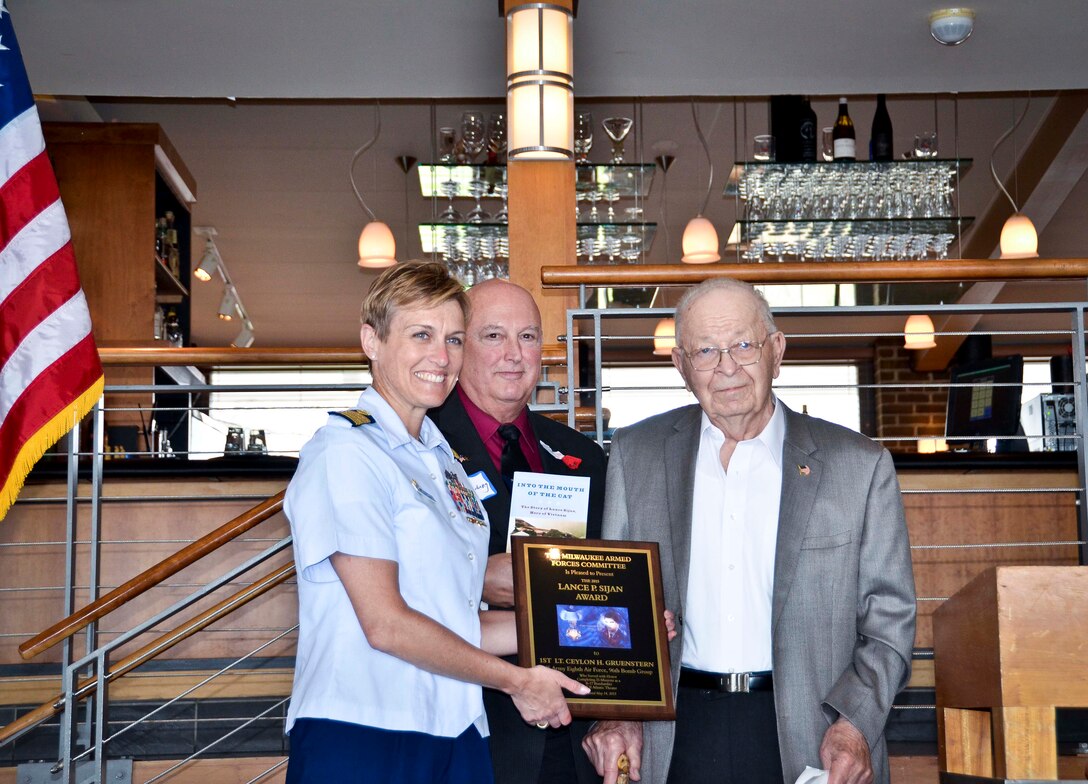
(482, 485)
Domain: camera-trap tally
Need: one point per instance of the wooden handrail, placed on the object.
(151, 577)
(160, 644)
(158, 355)
(907, 271)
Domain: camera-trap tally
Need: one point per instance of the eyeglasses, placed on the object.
(743, 352)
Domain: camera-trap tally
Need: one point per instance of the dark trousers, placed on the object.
(523, 754)
(336, 752)
(725, 739)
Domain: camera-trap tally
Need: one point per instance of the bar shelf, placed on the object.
(594, 239)
(628, 181)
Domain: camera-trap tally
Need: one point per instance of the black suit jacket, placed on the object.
(453, 421)
(518, 749)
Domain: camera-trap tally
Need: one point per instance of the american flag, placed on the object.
(50, 374)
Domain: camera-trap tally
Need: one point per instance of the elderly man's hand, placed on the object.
(844, 753)
(607, 740)
(499, 581)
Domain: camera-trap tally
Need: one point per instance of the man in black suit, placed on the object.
(487, 421)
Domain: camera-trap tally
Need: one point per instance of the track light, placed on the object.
(229, 304)
(209, 265)
(245, 337)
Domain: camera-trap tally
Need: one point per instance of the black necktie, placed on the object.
(512, 458)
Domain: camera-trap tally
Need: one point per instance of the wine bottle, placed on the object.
(843, 135)
(807, 132)
(172, 329)
(160, 237)
(880, 139)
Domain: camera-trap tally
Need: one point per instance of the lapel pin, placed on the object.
(804, 470)
(570, 461)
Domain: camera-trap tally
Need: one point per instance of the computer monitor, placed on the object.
(989, 407)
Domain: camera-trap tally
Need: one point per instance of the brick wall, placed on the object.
(905, 411)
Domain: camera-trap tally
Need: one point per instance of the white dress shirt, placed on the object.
(372, 490)
(734, 526)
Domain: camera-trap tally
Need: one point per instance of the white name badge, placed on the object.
(482, 485)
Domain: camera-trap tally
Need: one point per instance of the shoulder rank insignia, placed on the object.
(356, 416)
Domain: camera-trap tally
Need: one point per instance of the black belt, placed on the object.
(731, 682)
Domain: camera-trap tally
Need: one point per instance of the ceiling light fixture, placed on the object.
(209, 264)
(918, 333)
(952, 26)
(229, 304)
(245, 337)
(540, 83)
(377, 248)
(700, 241)
(1019, 240)
(664, 337)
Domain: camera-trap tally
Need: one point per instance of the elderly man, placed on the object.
(784, 553)
(487, 421)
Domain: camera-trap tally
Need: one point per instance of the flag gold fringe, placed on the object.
(48, 435)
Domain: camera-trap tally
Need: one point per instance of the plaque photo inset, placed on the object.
(593, 610)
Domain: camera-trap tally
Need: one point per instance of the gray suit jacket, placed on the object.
(843, 606)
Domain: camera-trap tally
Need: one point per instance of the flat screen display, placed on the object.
(986, 402)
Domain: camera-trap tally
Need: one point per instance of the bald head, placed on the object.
(502, 348)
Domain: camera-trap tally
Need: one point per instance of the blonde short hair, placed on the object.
(419, 284)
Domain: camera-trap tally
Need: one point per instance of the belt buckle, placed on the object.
(735, 682)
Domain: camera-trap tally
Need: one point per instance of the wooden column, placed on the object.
(542, 231)
(542, 227)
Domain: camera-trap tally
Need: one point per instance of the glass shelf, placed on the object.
(626, 180)
(917, 238)
(594, 239)
(813, 174)
(794, 230)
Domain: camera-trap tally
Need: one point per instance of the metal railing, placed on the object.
(87, 736)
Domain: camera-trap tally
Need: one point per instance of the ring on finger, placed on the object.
(542, 725)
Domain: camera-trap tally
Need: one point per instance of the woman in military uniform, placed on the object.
(390, 545)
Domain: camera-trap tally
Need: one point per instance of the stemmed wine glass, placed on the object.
(496, 138)
(617, 129)
(476, 188)
(450, 214)
(473, 135)
(583, 136)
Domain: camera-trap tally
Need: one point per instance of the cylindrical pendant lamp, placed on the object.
(540, 82)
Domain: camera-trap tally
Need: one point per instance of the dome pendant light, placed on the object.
(377, 248)
(700, 241)
(1019, 240)
(665, 337)
(918, 333)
